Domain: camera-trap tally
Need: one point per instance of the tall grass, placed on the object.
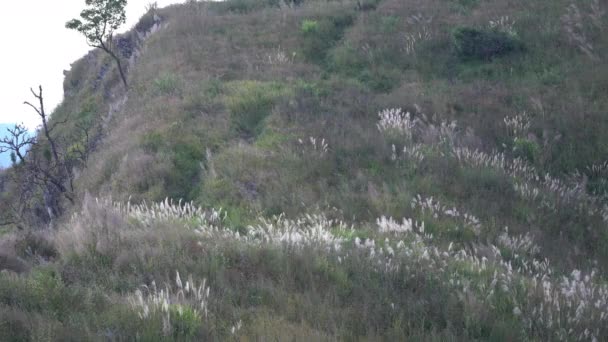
(395, 279)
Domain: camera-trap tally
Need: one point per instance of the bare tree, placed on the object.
(45, 175)
(44, 118)
(16, 142)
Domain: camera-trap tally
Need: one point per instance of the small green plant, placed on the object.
(484, 44)
(186, 322)
(167, 84)
(246, 6)
(310, 26)
(152, 142)
(465, 3)
(389, 24)
(526, 149)
(320, 35)
(250, 102)
(186, 156)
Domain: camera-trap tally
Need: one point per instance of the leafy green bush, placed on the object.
(186, 322)
(526, 149)
(318, 36)
(375, 57)
(463, 5)
(346, 60)
(484, 45)
(598, 186)
(380, 79)
(167, 84)
(310, 26)
(187, 155)
(250, 102)
(152, 142)
(389, 24)
(246, 6)
(43, 291)
(380, 74)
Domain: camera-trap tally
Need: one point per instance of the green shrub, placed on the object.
(464, 5)
(380, 79)
(310, 26)
(318, 36)
(246, 6)
(484, 45)
(389, 24)
(250, 102)
(183, 151)
(167, 84)
(42, 291)
(380, 74)
(152, 142)
(526, 149)
(598, 186)
(377, 62)
(346, 60)
(270, 139)
(186, 322)
(181, 184)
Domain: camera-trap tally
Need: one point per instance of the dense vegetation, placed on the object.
(386, 169)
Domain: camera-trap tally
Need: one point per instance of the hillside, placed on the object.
(330, 170)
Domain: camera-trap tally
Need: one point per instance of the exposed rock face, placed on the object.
(125, 46)
(146, 23)
(142, 32)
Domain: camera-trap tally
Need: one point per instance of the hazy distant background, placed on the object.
(36, 48)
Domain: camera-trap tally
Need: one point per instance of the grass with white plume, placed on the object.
(388, 280)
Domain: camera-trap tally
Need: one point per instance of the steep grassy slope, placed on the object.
(476, 125)
(221, 100)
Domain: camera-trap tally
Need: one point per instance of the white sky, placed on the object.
(36, 48)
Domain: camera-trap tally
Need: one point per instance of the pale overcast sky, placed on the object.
(36, 48)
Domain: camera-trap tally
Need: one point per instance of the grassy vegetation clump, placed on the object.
(167, 85)
(484, 45)
(246, 6)
(318, 36)
(250, 102)
(322, 276)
